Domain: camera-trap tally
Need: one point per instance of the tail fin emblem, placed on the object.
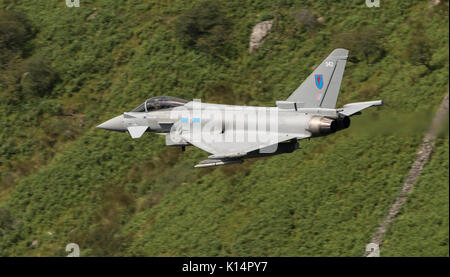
(319, 80)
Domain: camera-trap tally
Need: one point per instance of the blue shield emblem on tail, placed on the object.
(319, 80)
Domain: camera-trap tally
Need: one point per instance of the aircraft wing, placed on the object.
(355, 108)
(220, 148)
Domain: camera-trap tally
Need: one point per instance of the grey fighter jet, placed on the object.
(233, 133)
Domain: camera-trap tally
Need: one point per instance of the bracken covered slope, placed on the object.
(65, 70)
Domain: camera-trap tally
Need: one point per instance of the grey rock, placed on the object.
(259, 32)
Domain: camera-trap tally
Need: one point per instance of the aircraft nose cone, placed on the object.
(114, 124)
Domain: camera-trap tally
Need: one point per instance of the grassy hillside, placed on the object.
(65, 70)
(410, 234)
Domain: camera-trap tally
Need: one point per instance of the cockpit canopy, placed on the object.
(160, 102)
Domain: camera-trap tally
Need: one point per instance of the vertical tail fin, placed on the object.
(321, 88)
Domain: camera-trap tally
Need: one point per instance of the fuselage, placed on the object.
(206, 117)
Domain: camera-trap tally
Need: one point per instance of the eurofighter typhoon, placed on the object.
(233, 133)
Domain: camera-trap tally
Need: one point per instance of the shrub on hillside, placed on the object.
(15, 31)
(204, 26)
(37, 77)
(419, 49)
(306, 18)
(6, 220)
(364, 43)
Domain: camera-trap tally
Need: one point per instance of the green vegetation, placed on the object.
(204, 27)
(65, 70)
(410, 234)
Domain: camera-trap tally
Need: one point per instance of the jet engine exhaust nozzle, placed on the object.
(343, 123)
(320, 125)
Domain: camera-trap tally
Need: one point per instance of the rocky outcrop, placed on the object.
(259, 32)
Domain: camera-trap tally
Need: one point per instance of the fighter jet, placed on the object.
(232, 133)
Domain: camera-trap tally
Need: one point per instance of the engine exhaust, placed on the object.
(343, 122)
(320, 125)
